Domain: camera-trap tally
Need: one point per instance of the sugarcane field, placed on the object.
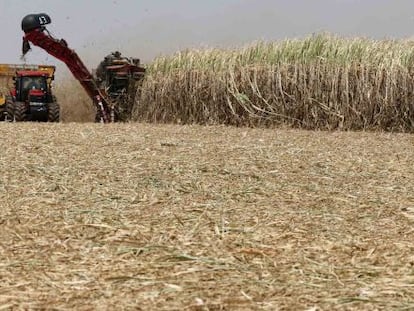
(272, 175)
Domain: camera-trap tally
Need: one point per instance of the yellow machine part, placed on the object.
(8, 71)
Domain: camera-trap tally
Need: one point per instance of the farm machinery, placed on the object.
(120, 77)
(30, 97)
(110, 88)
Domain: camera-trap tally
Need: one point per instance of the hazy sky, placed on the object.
(147, 28)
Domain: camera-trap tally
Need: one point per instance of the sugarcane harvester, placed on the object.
(107, 110)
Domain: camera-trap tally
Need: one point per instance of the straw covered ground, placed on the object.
(135, 216)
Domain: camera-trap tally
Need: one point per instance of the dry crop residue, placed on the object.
(131, 216)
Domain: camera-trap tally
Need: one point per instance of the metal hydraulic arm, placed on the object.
(35, 32)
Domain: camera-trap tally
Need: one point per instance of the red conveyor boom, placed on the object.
(59, 49)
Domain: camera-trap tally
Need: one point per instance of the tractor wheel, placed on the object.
(19, 113)
(3, 113)
(54, 112)
(9, 107)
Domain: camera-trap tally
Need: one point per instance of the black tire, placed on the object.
(7, 110)
(19, 112)
(9, 116)
(3, 113)
(3, 110)
(53, 112)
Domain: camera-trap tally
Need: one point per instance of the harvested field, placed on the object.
(134, 216)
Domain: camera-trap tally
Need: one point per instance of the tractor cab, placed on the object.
(31, 88)
(31, 83)
(32, 91)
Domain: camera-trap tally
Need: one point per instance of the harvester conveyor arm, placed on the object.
(59, 49)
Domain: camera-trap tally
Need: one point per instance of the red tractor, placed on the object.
(31, 97)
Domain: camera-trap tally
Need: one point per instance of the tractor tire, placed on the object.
(19, 112)
(53, 112)
(9, 116)
(3, 113)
